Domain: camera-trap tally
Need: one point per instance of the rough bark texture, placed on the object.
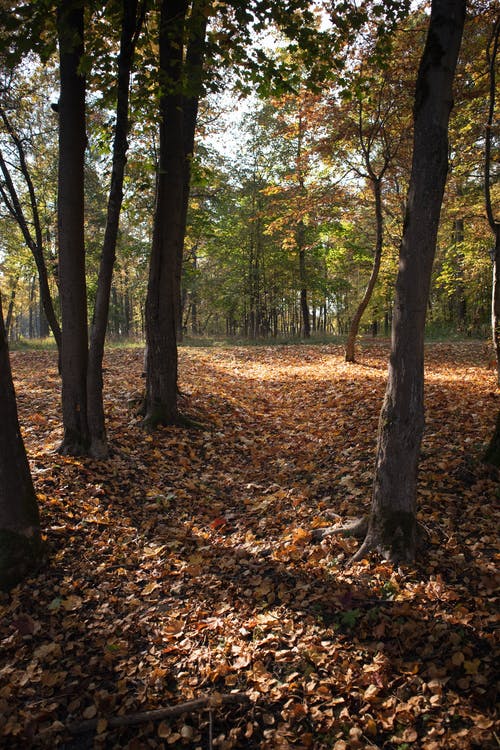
(72, 283)
(195, 58)
(19, 522)
(492, 455)
(163, 288)
(96, 418)
(392, 525)
(356, 320)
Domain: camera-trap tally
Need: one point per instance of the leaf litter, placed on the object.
(183, 567)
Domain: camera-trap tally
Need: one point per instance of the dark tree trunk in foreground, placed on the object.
(96, 419)
(19, 522)
(392, 528)
(162, 303)
(195, 58)
(355, 322)
(72, 283)
(492, 455)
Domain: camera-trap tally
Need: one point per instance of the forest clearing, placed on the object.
(183, 567)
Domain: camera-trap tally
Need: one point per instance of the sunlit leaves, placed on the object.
(184, 566)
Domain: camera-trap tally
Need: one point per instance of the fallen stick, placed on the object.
(169, 712)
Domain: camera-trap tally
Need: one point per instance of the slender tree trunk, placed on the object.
(31, 329)
(304, 306)
(495, 300)
(392, 522)
(162, 303)
(494, 223)
(492, 455)
(19, 521)
(356, 320)
(96, 418)
(35, 243)
(72, 282)
(10, 310)
(44, 325)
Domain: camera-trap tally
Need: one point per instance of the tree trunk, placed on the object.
(35, 244)
(492, 455)
(96, 418)
(392, 522)
(492, 53)
(10, 310)
(162, 303)
(19, 521)
(304, 307)
(356, 320)
(495, 301)
(72, 282)
(195, 58)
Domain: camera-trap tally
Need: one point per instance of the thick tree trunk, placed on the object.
(19, 521)
(162, 303)
(492, 455)
(195, 58)
(392, 523)
(96, 418)
(356, 320)
(72, 282)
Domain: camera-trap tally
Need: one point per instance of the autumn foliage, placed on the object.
(184, 565)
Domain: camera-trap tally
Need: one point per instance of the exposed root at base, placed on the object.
(359, 529)
(356, 528)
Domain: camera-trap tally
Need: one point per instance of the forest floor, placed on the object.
(183, 567)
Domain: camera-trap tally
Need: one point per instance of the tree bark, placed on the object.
(72, 282)
(492, 53)
(96, 418)
(19, 520)
(162, 303)
(392, 529)
(10, 310)
(35, 243)
(195, 58)
(304, 307)
(492, 455)
(356, 320)
(495, 300)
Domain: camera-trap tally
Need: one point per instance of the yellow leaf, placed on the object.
(149, 588)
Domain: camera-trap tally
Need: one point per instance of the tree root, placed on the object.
(169, 712)
(359, 529)
(356, 528)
